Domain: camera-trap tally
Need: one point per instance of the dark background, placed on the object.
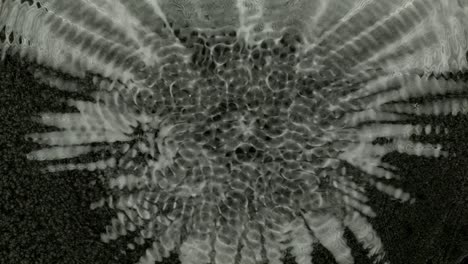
(45, 218)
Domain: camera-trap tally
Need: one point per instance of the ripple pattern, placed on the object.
(232, 131)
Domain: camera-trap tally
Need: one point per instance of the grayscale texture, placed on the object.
(243, 131)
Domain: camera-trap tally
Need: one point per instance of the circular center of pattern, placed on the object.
(245, 129)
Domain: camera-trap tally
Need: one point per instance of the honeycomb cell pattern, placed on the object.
(235, 131)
